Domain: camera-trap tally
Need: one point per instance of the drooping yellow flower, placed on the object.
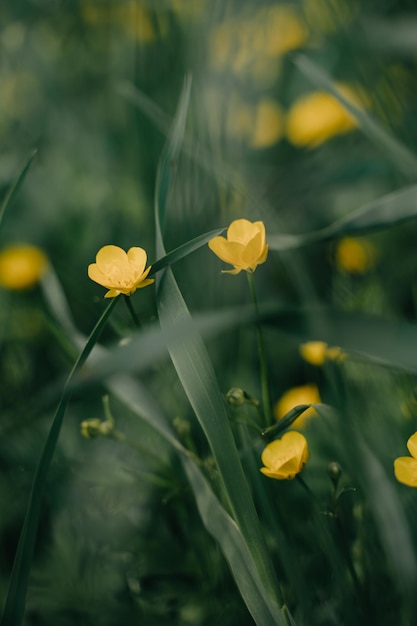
(285, 458)
(245, 247)
(355, 256)
(316, 117)
(303, 394)
(405, 467)
(21, 266)
(120, 271)
(317, 352)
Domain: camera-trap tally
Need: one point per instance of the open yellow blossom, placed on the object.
(245, 247)
(303, 394)
(21, 266)
(355, 256)
(405, 467)
(285, 458)
(316, 117)
(317, 352)
(120, 271)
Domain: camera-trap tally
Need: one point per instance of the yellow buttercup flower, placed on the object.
(303, 394)
(285, 458)
(405, 467)
(245, 247)
(355, 256)
(120, 271)
(21, 266)
(316, 117)
(317, 352)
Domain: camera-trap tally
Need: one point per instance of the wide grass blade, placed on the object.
(401, 157)
(15, 186)
(199, 381)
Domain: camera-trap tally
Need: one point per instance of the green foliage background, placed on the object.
(123, 538)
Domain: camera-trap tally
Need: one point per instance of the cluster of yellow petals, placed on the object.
(119, 271)
(318, 352)
(285, 458)
(21, 266)
(303, 394)
(244, 247)
(405, 467)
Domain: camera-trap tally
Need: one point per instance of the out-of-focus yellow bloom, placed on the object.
(355, 256)
(405, 467)
(303, 394)
(316, 352)
(120, 271)
(285, 458)
(245, 247)
(251, 45)
(21, 266)
(326, 16)
(133, 17)
(259, 126)
(268, 127)
(316, 117)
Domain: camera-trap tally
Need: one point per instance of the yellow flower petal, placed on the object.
(285, 457)
(405, 470)
(303, 394)
(244, 248)
(120, 272)
(316, 117)
(412, 445)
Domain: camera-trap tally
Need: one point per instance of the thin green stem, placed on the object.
(266, 401)
(132, 311)
(16, 596)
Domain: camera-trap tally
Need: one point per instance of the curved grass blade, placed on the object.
(16, 596)
(184, 250)
(198, 379)
(403, 158)
(15, 186)
(389, 210)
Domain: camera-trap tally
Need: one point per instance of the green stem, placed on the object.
(16, 596)
(132, 311)
(266, 402)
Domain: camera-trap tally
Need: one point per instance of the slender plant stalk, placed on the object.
(132, 311)
(16, 596)
(266, 401)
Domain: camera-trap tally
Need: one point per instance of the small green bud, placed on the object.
(335, 472)
(236, 397)
(182, 427)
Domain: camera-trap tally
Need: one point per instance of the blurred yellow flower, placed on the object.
(21, 266)
(264, 35)
(316, 352)
(120, 272)
(355, 256)
(285, 457)
(405, 467)
(316, 117)
(245, 247)
(260, 126)
(268, 126)
(303, 394)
